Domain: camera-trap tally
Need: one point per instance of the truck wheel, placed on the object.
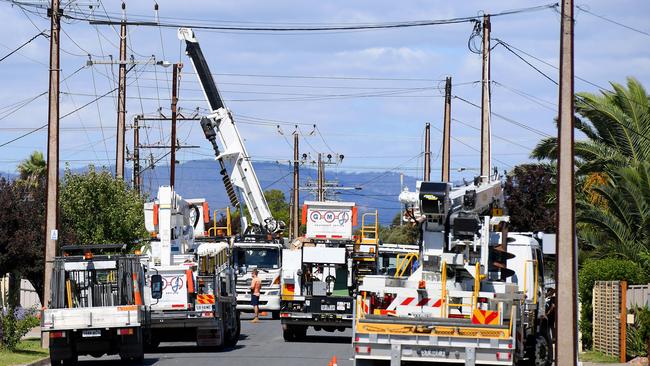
(301, 333)
(542, 354)
(288, 334)
(72, 361)
(233, 335)
(56, 362)
(275, 315)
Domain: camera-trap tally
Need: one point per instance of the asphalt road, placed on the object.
(260, 344)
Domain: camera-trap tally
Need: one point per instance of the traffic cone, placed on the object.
(333, 361)
(136, 290)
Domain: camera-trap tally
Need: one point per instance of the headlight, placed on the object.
(273, 293)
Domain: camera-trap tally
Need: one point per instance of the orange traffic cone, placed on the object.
(333, 361)
(136, 290)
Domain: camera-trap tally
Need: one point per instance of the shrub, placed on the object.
(14, 324)
(607, 269)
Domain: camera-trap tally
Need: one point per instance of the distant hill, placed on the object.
(200, 178)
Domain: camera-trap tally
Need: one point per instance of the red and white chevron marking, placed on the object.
(413, 301)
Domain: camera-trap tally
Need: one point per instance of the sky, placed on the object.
(369, 92)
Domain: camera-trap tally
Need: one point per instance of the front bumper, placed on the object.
(267, 302)
(317, 319)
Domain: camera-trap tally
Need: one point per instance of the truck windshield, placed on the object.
(257, 257)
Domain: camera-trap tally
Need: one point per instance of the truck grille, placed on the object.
(247, 283)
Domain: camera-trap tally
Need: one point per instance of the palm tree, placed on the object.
(617, 127)
(618, 223)
(32, 169)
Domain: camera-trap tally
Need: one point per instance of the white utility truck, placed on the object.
(474, 296)
(260, 244)
(318, 274)
(190, 281)
(96, 305)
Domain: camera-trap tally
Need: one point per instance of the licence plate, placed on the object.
(203, 307)
(91, 333)
(432, 352)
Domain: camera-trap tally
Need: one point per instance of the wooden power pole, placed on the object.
(295, 216)
(566, 249)
(321, 179)
(136, 154)
(485, 102)
(446, 133)
(427, 152)
(172, 166)
(121, 100)
(52, 203)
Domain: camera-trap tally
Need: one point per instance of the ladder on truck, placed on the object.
(365, 251)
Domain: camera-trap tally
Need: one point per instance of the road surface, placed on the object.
(260, 344)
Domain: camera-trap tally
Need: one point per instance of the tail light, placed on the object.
(362, 349)
(125, 331)
(503, 356)
(59, 334)
(285, 315)
(482, 300)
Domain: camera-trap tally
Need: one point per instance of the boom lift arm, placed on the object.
(221, 124)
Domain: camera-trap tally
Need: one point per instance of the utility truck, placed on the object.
(320, 274)
(260, 244)
(474, 296)
(190, 281)
(96, 306)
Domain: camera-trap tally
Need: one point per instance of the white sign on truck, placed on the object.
(329, 220)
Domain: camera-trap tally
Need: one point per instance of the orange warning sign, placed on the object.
(205, 299)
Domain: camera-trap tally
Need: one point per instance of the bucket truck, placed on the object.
(190, 281)
(474, 296)
(320, 274)
(260, 244)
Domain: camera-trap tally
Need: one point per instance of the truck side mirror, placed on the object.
(156, 286)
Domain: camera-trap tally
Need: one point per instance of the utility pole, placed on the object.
(295, 223)
(172, 166)
(485, 103)
(566, 248)
(52, 203)
(427, 152)
(121, 100)
(321, 179)
(446, 133)
(136, 154)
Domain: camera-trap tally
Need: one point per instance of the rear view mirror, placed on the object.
(156, 286)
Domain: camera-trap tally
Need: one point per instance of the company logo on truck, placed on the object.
(341, 217)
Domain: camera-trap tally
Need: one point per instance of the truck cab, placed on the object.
(267, 258)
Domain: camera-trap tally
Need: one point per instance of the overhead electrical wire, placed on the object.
(582, 8)
(110, 20)
(23, 45)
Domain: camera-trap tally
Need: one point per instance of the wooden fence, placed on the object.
(610, 315)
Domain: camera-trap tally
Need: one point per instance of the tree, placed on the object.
(98, 208)
(618, 223)
(527, 191)
(278, 204)
(22, 232)
(32, 169)
(408, 233)
(617, 126)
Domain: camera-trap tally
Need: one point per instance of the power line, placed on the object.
(347, 27)
(62, 117)
(23, 45)
(612, 21)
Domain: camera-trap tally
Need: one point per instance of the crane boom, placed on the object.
(221, 124)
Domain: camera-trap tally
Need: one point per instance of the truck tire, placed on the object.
(233, 334)
(275, 315)
(288, 334)
(542, 353)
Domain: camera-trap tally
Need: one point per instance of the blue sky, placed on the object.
(374, 133)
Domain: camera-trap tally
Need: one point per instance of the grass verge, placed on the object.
(27, 351)
(597, 357)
